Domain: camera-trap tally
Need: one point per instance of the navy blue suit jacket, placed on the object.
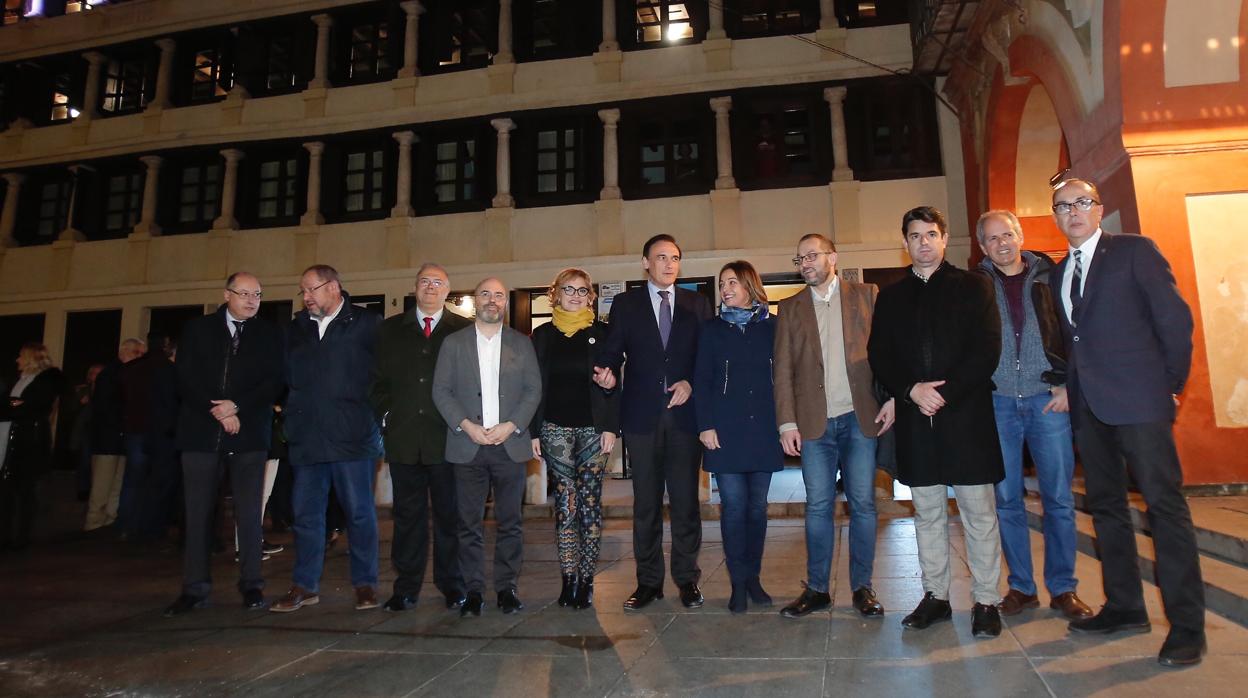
(634, 342)
(1130, 345)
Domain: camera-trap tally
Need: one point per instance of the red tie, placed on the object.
(428, 326)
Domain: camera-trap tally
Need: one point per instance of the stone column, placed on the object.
(723, 143)
(609, 40)
(610, 153)
(151, 189)
(164, 74)
(320, 75)
(504, 54)
(8, 216)
(827, 15)
(413, 9)
(229, 190)
(75, 184)
(91, 91)
(316, 150)
(403, 195)
(835, 97)
(716, 28)
(502, 167)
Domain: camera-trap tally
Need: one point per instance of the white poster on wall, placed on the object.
(607, 291)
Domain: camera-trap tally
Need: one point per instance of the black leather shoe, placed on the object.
(642, 597)
(930, 610)
(184, 604)
(1182, 648)
(253, 599)
(567, 595)
(758, 595)
(738, 602)
(509, 602)
(866, 603)
(691, 595)
(472, 606)
(399, 602)
(985, 621)
(584, 594)
(455, 599)
(806, 604)
(1112, 621)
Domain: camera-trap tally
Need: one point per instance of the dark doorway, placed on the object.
(16, 330)
(91, 337)
(172, 319)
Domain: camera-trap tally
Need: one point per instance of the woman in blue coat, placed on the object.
(736, 416)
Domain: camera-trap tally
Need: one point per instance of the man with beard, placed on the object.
(935, 342)
(332, 434)
(415, 439)
(487, 385)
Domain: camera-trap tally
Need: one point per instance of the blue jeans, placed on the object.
(842, 447)
(743, 522)
(353, 483)
(130, 509)
(1049, 440)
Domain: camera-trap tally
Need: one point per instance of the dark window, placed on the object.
(280, 73)
(748, 18)
(123, 202)
(560, 160)
(277, 193)
(870, 13)
(363, 183)
(459, 34)
(669, 152)
(53, 216)
(274, 57)
(780, 142)
(665, 22)
(455, 170)
(546, 29)
(14, 10)
(125, 84)
(892, 131)
(210, 79)
(61, 107)
(545, 24)
(199, 195)
(368, 55)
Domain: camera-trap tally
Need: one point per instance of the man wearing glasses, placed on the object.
(415, 440)
(1129, 339)
(487, 386)
(229, 370)
(830, 416)
(332, 434)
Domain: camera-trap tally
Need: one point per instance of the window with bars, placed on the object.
(61, 109)
(662, 21)
(125, 83)
(123, 203)
(560, 161)
(199, 194)
(369, 52)
(363, 183)
(278, 189)
(749, 18)
(54, 197)
(210, 79)
(669, 152)
(455, 170)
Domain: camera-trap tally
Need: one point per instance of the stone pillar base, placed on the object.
(718, 53)
(136, 257)
(232, 107)
(726, 233)
(314, 102)
(607, 65)
(305, 249)
(398, 251)
(835, 38)
(224, 224)
(497, 243)
(151, 120)
(312, 218)
(610, 229)
(846, 222)
(404, 90)
(501, 78)
(62, 259)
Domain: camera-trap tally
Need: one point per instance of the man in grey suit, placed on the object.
(487, 386)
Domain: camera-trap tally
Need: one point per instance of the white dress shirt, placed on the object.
(229, 322)
(655, 299)
(489, 355)
(421, 315)
(1086, 250)
(323, 322)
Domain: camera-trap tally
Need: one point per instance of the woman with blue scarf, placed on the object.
(736, 416)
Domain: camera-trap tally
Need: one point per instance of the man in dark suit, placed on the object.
(229, 370)
(654, 332)
(1129, 339)
(415, 439)
(332, 434)
(487, 386)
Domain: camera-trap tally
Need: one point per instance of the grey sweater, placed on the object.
(1023, 362)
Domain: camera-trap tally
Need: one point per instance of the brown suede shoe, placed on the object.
(1071, 606)
(365, 598)
(1016, 601)
(295, 599)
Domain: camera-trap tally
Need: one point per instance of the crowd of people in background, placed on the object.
(939, 378)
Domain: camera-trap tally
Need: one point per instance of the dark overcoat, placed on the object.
(30, 436)
(732, 382)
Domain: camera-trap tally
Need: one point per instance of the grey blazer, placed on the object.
(457, 391)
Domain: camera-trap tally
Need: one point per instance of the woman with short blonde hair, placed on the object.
(27, 449)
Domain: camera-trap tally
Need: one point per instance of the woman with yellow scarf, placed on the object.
(575, 427)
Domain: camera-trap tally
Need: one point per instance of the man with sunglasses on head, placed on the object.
(1129, 340)
(229, 369)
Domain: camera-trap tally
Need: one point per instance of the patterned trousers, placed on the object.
(576, 462)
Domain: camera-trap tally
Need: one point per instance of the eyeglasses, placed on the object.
(314, 289)
(432, 283)
(573, 290)
(809, 258)
(486, 296)
(246, 294)
(1083, 203)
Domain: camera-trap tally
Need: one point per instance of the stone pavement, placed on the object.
(82, 618)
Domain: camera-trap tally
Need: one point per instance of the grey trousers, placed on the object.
(977, 504)
(492, 466)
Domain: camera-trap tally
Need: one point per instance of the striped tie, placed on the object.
(1076, 287)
